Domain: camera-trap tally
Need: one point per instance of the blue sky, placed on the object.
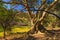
(8, 6)
(6, 0)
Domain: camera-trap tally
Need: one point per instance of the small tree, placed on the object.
(7, 19)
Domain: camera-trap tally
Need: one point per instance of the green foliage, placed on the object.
(3, 14)
(49, 19)
(32, 3)
(1, 29)
(6, 18)
(58, 20)
(57, 7)
(23, 18)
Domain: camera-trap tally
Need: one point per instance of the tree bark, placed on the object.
(4, 34)
(4, 29)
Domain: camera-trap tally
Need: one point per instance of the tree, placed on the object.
(7, 19)
(31, 6)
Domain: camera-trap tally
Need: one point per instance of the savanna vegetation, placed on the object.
(29, 19)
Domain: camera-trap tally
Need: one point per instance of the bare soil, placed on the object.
(38, 36)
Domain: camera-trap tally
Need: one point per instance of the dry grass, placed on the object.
(17, 30)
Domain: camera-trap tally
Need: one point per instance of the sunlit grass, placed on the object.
(1, 34)
(19, 29)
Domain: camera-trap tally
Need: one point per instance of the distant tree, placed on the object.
(7, 19)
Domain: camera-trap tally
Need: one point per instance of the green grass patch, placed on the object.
(1, 34)
(20, 29)
(16, 29)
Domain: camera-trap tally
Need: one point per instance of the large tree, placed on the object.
(36, 8)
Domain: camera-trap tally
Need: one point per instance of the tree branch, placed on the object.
(51, 6)
(41, 7)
